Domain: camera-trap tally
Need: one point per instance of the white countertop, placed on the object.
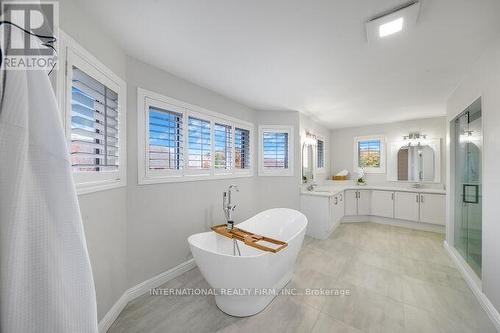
(331, 190)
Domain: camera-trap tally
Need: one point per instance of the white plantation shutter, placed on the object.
(94, 124)
(165, 139)
(199, 143)
(241, 148)
(321, 154)
(223, 146)
(275, 150)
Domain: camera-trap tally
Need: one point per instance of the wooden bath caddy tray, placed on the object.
(249, 238)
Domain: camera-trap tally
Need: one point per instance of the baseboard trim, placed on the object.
(474, 284)
(140, 289)
(395, 222)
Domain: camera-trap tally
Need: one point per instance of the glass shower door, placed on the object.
(467, 196)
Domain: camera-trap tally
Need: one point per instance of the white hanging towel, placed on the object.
(46, 283)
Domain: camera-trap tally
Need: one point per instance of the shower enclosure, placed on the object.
(467, 211)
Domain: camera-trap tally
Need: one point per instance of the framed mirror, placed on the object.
(415, 163)
(307, 162)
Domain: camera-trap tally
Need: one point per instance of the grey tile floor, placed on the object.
(400, 280)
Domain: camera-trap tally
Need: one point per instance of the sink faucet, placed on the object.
(311, 186)
(418, 185)
(228, 206)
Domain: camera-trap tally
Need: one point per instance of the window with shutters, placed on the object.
(199, 144)
(94, 125)
(320, 152)
(276, 155)
(165, 139)
(369, 154)
(223, 140)
(183, 142)
(242, 148)
(94, 105)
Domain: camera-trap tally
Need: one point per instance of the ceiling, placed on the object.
(309, 56)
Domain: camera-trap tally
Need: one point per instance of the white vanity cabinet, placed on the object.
(338, 207)
(351, 202)
(323, 212)
(382, 203)
(357, 202)
(406, 206)
(420, 207)
(432, 208)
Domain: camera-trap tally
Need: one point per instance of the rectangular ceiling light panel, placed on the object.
(393, 22)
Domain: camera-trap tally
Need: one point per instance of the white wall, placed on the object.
(342, 143)
(160, 217)
(280, 191)
(484, 80)
(104, 213)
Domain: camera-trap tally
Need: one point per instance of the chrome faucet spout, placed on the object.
(228, 206)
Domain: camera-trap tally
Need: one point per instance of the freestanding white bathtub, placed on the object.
(254, 271)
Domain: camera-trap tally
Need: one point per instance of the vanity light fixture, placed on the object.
(415, 139)
(310, 139)
(396, 20)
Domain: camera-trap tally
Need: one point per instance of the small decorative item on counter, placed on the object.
(342, 175)
(360, 180)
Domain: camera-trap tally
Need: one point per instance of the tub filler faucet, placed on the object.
(228, 206)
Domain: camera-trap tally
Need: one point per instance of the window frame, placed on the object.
(223, 122)
(320, 170)
(243, 171)
(277, 172)
(145, 176)
(382, 167)
(75, 55)
(148, 102)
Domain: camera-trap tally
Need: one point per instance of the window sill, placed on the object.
(147, 180)
(374, 170)
(88, 188)
(266, 173)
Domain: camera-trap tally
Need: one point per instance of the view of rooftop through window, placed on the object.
(165, 139)
(94, 124)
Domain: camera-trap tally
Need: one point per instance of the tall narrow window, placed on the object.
(199, 143)
(275, 153)
(223, 146)
(320, 163)
(165, 139)
(241, 148)
(94, 124)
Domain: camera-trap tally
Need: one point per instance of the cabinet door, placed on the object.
(432, 208)
(350, 202)
(340, 206)
(383, 203)
(335, 209)
(406, 206)
(364, 202)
